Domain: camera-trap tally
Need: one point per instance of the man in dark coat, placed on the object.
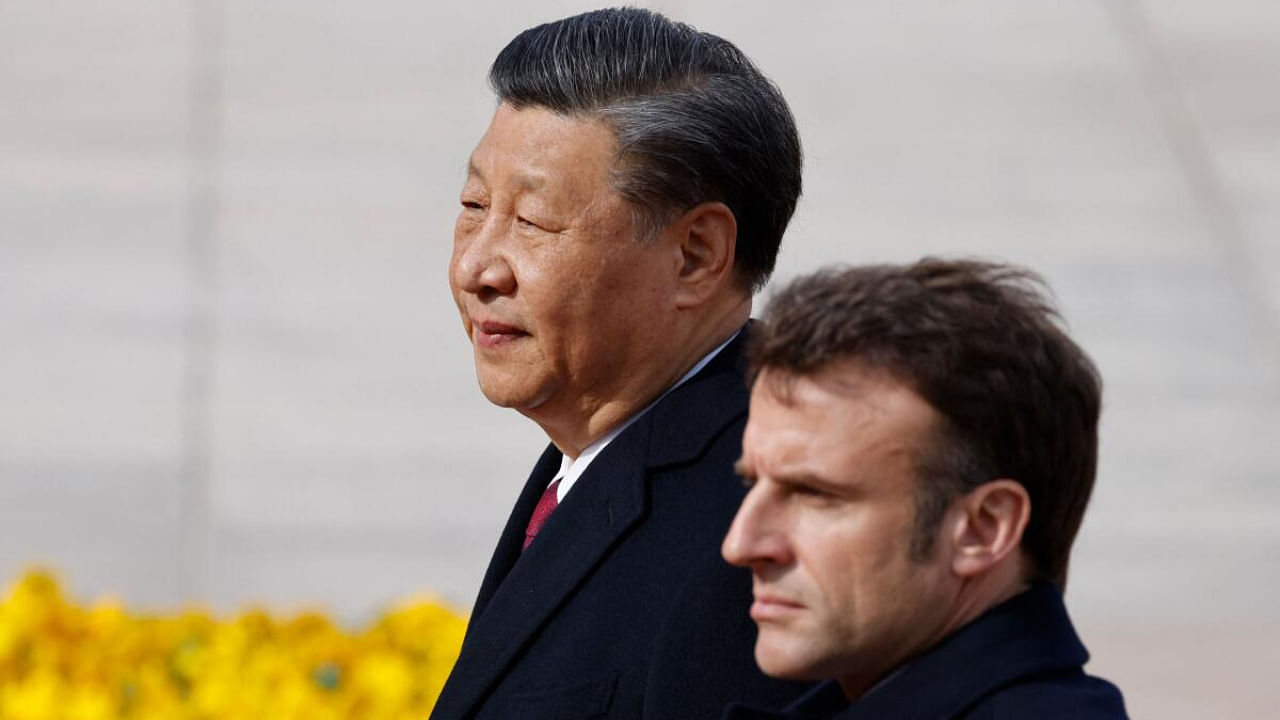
(921, 447)
(625, 203)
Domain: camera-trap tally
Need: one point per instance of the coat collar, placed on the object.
(685, 423)
(522, 591)
(1026, 635)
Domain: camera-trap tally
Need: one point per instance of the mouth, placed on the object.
(773, 607)
(493, 334)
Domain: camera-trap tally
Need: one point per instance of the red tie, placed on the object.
(546, 505)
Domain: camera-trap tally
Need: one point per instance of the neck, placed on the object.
(592, 418)
(979, 594)
(973, 597)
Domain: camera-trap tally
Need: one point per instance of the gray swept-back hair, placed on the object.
(694, 118)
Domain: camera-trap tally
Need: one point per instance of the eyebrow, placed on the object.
(741, 467)
(811, 480)
(808, 479)
(525, 181)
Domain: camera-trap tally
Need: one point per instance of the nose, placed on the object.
(480, 265)
(758, 533)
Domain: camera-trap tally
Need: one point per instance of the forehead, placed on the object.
(540, 149)
(841, 422)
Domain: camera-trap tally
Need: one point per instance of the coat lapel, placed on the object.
(607, 501)
(521, 591)
(511, 540)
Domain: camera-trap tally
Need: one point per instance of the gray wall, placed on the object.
(230, 370)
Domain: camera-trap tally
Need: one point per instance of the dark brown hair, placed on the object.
(983, 345)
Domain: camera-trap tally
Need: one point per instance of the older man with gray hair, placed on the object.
(625, 203)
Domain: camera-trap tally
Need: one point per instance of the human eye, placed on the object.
(536, 217)
(811, 493)
(808, 491)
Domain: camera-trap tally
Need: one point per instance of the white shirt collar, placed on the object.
(571, 470)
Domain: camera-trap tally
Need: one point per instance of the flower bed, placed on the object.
(62, 661)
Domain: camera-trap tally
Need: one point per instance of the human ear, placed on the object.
(707, 236)
(991, 520)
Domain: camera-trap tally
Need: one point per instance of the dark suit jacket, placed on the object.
(622, 607)
(1022, 659)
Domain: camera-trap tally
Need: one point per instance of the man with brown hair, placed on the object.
(921, 447)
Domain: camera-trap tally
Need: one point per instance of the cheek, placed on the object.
(550, 298)
(851, 570)
(633, 290)
(567, 290)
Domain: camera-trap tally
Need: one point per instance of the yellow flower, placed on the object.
(61, 661)
(33, 698)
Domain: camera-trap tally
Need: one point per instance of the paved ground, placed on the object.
(231, 372)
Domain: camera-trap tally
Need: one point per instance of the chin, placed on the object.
(778, 663)
(502, 396)
(501, 391)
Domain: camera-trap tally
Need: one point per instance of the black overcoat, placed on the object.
(622, 608)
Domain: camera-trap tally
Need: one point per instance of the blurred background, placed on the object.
(231, 371)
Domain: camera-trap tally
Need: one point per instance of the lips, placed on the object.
(773, 607)
(493, 334)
